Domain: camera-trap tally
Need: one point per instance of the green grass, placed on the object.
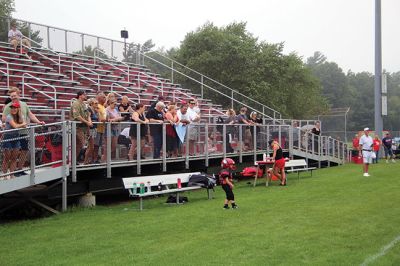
(336, 217)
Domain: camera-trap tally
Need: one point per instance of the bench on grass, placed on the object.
(299, 165)
(169, 185)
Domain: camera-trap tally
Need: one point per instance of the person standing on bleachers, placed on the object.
(125, 108)
(172, 138)
(156, 118)
(93, 111)
(139, 118)
(27, 116)
(194, 117)
(81, 115)
(101, 128)
(113, 117)
(15, 37)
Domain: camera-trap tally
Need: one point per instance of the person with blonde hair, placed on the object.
(139, 118)
(172, 138)
(15, 37)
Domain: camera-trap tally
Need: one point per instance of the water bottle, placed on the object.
(264, 157)
(179, 183)
(159, 186)
(134, 188)
(268, 158)
(141, 188)
(148, 186)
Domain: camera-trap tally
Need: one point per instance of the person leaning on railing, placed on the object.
(79, 113)
(139, 118)
(11, 141)
(27, 116)
(113, 116)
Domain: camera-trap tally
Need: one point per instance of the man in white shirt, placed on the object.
(15, 36)
(365, 148)
(194, 117)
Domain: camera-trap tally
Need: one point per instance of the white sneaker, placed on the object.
(366, 174)
(393, 161)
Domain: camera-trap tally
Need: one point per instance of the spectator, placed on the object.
(11, 143)
(230, 130)
(27, 115)
(102, 116)
(387, 142)
(15, 37)
(246, 137)
(80, 114)
(184, 119)
(255, 120)
(377, 146)
(113, 116)
(296, 135)
(158, 99)
(172, 138)
(125, 108)
(211, 147)
(156, 117)
(194, 117)
(317, 131)
(365, 146)
(139, 118)
(94, 117)
(110, 98)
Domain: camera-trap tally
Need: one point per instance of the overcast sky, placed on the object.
(343, 30)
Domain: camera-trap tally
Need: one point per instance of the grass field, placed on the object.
(336, 217)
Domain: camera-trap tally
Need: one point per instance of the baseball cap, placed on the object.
(15, 105)
(366, 129)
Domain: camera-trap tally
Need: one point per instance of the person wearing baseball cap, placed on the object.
(365, 147)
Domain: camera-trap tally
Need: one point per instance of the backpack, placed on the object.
(202, 180)
(251, 171)
(172, 199)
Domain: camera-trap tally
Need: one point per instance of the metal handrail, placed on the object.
(97, 50)
(6, 73)
(41, 54)
(181, 92)
(120, 86)
(210, 79)
(154, 78)
(43, 82)
(83, 76)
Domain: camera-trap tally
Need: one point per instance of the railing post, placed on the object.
(32, 154)
(66, 41)
(290, 141)
(328, 151)
(138, 148)
(172, 71)
(241, 144)
(187, 147)
(254, 142)
(206, 144)
(64, 162)
(202, 86)
(112, 48)
(164, 147)
(108, 149)
(48, 37)
(83, 42)
(232, 99)
(224, 140)
(29, 31)
(73, 151)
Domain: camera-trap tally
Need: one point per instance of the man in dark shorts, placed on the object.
(387, 142)
(156, 119)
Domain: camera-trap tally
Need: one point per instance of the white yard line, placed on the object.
(383, 251)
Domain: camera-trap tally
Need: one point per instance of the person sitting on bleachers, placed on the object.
(15, 37)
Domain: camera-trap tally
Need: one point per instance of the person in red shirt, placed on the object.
(376, 147)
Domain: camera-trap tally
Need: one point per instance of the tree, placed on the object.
(234, 57)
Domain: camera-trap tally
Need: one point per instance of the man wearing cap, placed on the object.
(79, 113)
(365, 148)
(27, 116)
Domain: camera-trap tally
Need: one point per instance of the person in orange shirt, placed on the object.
(376, 147)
